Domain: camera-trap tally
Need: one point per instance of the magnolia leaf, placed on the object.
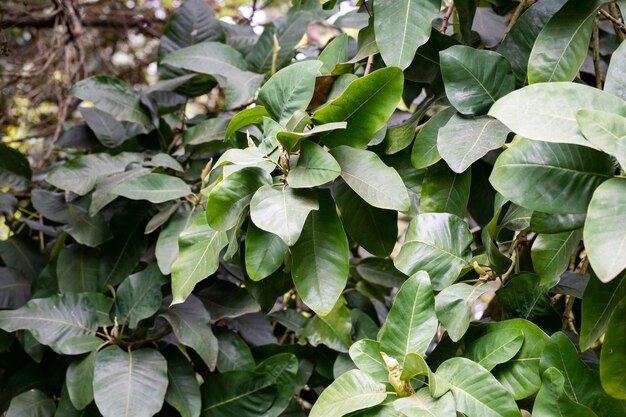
(612, 356)
(453, 306)
(605, 130)
(496, 347)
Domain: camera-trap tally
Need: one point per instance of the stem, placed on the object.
(446, 18)
(620, 28)
(595, 44)
(518, 12)
(275, 54)
(368, 66)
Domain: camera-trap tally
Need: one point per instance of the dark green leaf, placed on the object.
(444, 191)
(139, 296)
(425, 152)
(380, 272)
(183, 391)
(15, 170)
(31, 403)
(454, 306)
(207, 132)
(551, 398)
(166, 250)
(332, 330)
(14, 288)
(265, 253)
(79, 378)
(556, 223)
(523, 296)
(551, 254)
(156, 188)
(238, 393)
(474, 79)
(495, 348)
(612, 356)
(314, 167)
(234, 353)
(550, 177)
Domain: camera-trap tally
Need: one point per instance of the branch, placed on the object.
(446, 18)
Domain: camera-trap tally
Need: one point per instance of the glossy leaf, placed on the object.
(282, 211)
(156, 188)
(230, 197)
(582, 383)
(551, 398)
(379, 238)
(79, 377)
(234, 353)
(321, 259)
(561, 47)
(532, 110)
(366, 356)
(129, 383)
(551, 254)
(556, 223)
(444, 191)
(605, 130)
(616, 74)
(366, 105)
(246, 117)
(55, 319)
(425, 152)
(461, 142)
(411, 323)
(402, 26)
(437, 243)
(475, 79)
(199, 249)
(612, 356)
(290, 89)
(599, 302)
(375, 182)
(380, 272)
(453, 306)
(238, 393)
(265, 253)
(422, 404)
(139, 296)
(183, 391)
(475, 390)
(190, 323)
(283, 369)
(495, 348)
(332, 329)
(605, 229)
(31, 403)
(112, 96)
(549, 177)
(313, 167)
(524, 296)
(166, 250)
(352, 391)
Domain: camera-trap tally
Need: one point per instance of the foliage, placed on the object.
(247, 261)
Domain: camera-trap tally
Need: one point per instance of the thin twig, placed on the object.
(446, 18)
(368, 66)
(518, 12)
(595, 46)
(615, 13)
(618, 25)
(275, 54)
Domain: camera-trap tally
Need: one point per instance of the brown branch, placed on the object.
(595, 46)
(619, 26)
(446, 18)
(120, 21)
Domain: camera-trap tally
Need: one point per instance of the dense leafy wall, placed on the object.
(246, 261)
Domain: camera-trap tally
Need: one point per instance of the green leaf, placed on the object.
(208, 132)
(375, 182)
(518, 43)
(523, 296)
(321, 258)
(334, 54)
(454, 305)
(556, 223)
(102, 195)
(114, 97)
(234, 353)
(521, 374)
(531, 111)
(183, 391)
(582, 383)
(425, 152)
(561, 47)
(225, 300)
(379, 238)
(156, 188)
(246, 117)
(14, 289)
(109, 131)
(190, 322)
(283, 369)
(15, 169)
(80, 175)
(199, 250)
(78, 379)
(605, 130)
(551, 254)
(444, 191)
(166, 250)
(495, 348)
(366, 356)
(422, 404)
(282, 211)
(31, 403)
(613, 352)
(411, 323)
(265, 253)
(290, 89)
(332, 330)
(599, 302)
(550, 177)
(616, 74)
(380, 272)
(605, 229)
(230, 197)
(461, 142)
(291, 140)
(139, 296)
(367, 104)
(437, 243)
(352, 391)
(314, 167)
(474, 79)
(402, 26)
(552, 401)
(60, 317)
(238, 393)
(129, 383)
(476, 392)
(77, 269)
